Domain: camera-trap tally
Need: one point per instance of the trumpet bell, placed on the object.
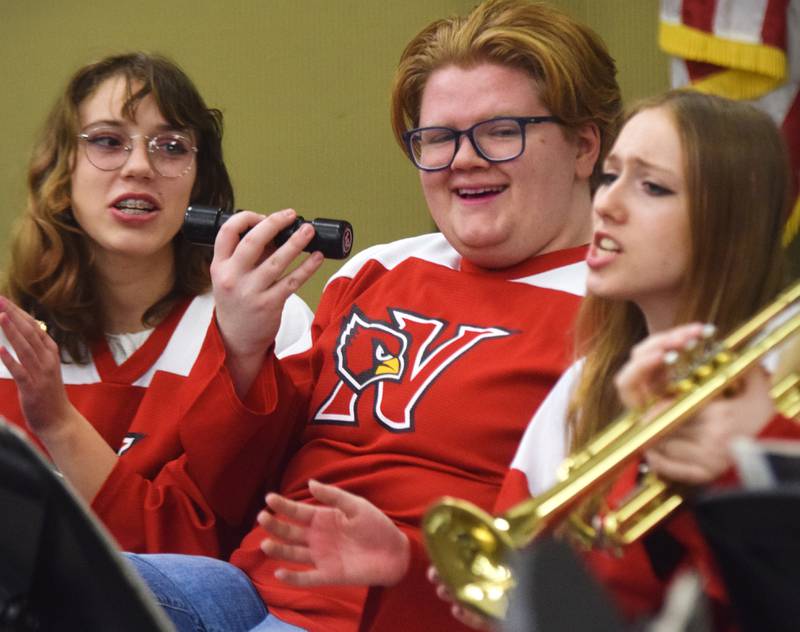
(471, 551)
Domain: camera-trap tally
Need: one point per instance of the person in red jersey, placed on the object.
(430, 354)
(676, 241)
(99, 260)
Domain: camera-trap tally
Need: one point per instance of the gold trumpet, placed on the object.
(472, 550)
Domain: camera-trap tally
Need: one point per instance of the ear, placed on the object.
(588, 146)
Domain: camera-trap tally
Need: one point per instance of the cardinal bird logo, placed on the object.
(369, 351)
(393, 363)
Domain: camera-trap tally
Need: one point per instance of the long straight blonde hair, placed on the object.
(737, 178)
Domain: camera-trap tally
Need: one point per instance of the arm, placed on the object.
(251, 289)
(36, 369)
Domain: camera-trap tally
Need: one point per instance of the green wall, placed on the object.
(304, 86)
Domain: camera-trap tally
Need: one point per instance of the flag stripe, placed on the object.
(740, 49)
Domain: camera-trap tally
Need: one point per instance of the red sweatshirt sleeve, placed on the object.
(204, 498)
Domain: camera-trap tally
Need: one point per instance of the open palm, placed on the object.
(344, 540)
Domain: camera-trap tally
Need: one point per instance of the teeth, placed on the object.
(606, 243)
(480, 191)
(131, 204)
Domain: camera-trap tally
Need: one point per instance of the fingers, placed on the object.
(296, 511)
(349, 504)
(441, 590)
(252, 256)
(250, 234)
(281, 528)
(291, 282)
(470, 618)
(11, 364)
(286, 552)
(682, 471)
(246, 237)
(302, 578)
(33, 348)
(645, 375)
(291, 544)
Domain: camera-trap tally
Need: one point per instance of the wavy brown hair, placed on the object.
(570, 64)
(51, 268)
(737, 178)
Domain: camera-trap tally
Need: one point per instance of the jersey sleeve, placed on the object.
(204, 497)
(230, 451)
(294, 334)
(543, 446)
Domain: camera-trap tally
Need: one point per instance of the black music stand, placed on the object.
(59, 569)
(556, 593)
(755, 537)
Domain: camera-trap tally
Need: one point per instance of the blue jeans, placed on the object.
(201, 594)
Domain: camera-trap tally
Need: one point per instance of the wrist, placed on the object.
(59, 429)
(401, 561)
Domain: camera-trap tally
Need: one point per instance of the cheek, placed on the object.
(83, 182)
(179, 191)
(434, 188)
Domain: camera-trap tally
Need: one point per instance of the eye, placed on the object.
(651, 188)
(607, 178)
(500, 129)
(172, 145)
(106, 140)
(436, 136)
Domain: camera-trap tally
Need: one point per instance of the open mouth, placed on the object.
(607, 244)
(135, 206)
(476, 193)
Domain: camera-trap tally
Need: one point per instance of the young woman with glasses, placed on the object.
(121, 298)
(429, 354)
(687, 229)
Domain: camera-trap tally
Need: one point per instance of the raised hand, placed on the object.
(75, 446)
(251, 282)
(344, 540)
(36, 369)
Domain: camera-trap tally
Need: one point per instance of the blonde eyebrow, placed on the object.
(639, 163)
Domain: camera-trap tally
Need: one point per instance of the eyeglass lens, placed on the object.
(171, 154)
(498, 139)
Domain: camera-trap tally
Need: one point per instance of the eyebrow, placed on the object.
(163, 127)
(639, 163)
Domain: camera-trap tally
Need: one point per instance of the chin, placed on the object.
(491, 258)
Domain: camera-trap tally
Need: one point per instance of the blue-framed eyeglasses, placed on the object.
(498, 139)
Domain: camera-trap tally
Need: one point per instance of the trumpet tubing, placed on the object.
(472, 549)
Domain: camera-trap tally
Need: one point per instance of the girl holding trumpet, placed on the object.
(687, 229)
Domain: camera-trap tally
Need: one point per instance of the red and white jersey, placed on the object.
(630, 577)
(135, 406)
(423, 374)
(544, 445)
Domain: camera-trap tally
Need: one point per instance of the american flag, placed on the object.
(745, 50)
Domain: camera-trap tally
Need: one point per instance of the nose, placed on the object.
(466, 155)
(138, 164)
(608, 203)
